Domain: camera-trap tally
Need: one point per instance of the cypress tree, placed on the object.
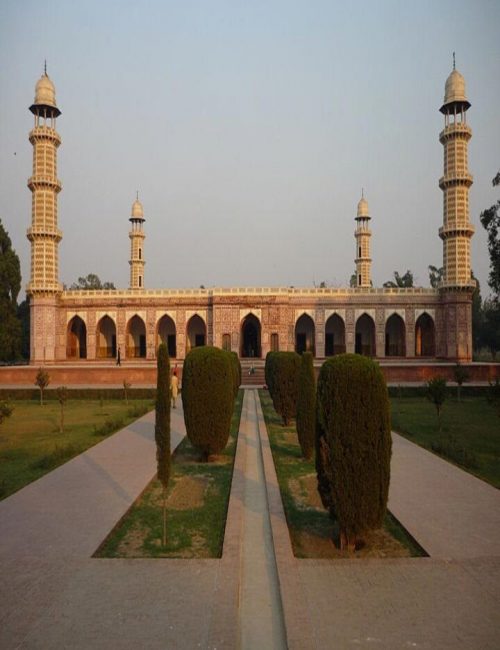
(10, 285)
(284, 376)
(208, 398)
(353, 442)
(162, 427)
(306, 406)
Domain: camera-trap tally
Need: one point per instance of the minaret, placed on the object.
(457, 230)
(137, 237)
(45, 186)
(363, 235)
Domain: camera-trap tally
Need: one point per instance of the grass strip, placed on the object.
(311, 529)
(470, 435)
(31, 443)
(197, 503)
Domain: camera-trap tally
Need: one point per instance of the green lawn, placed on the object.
(310, 526)
(196, 510)
(470, 435)
(31, 443)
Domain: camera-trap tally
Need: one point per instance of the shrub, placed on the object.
(42, 380)
(236, 372)
(306, 405)
(126, 387)
(62, 397)
(5, 411)
(461, 375)
(283, 370)
(437, 393)
(269, 371)
(207, 398)
(493, 395)
(353, 444)
(162, 427)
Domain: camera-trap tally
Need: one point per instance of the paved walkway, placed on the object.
(258, 595)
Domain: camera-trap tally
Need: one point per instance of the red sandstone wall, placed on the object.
(143, 375)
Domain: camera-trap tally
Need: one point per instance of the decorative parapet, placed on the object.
(313, 292)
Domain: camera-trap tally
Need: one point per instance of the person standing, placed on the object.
(174, 388)
(118, 357)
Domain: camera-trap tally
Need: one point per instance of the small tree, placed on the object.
(306, 406)
(436, 393)
(62, 396)
(5, 410)
(42, 380)
(126, 387)
(208, 399)
(493, 395)
(162, 427)
(461, 375)
(353, 444)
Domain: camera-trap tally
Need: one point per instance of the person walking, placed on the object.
(118, 357)
(174, 388)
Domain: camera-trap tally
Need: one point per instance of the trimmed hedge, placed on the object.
(353, 444)
(306, 406)
(208, 398)
(282, 378)
(236, 370)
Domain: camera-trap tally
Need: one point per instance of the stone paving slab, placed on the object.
(451, 513)
(416, 603)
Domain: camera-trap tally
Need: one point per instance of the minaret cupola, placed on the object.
(137, 237)
(363, 234)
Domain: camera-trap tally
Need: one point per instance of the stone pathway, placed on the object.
(258, 595)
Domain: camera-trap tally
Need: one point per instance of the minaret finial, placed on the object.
(362, 192)
(45, 67)
(453, 60)
(137, 195)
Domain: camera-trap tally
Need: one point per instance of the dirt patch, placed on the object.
(378, 544)
(305, 493)
(189, 492)
(324, 543)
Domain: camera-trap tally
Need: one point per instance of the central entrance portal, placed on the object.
(250, 337)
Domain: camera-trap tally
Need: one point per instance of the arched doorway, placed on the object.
(76, 343)
(106, 338)
(425, 337)
(136, 338)
(250, 337)
(196, 333)
(334, 336)
(304, 334)
(365, 336)
(395, 337)
(166, 333)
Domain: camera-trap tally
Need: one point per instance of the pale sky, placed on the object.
(249, 129)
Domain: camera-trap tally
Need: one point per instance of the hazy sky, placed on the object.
(249, 129)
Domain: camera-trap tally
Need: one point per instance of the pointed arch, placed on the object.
(305, 334)
(250, 337)
(166, 332)
(395, 336)
(135, 337)
(365, 336)
(196, 332)
(106, 338)
(425, 336)
(334, 335)
(76, 339)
